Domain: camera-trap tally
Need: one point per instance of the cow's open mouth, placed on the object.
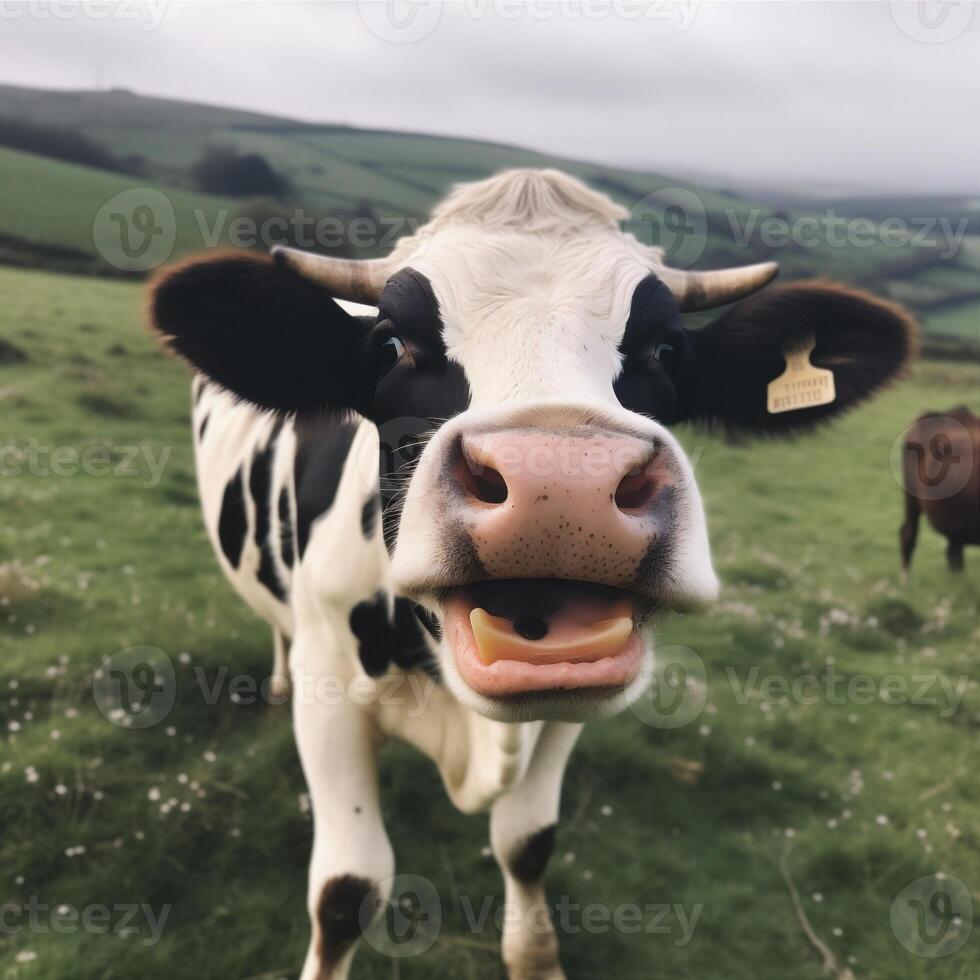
(516, 636)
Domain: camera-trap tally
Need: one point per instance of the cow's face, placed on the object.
(529, 357)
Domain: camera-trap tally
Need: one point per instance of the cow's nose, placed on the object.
(561, 503)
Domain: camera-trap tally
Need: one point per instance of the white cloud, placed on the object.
(786, 92)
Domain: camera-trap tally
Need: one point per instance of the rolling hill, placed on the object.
(924, 252)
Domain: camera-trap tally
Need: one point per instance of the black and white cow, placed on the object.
(516, 374)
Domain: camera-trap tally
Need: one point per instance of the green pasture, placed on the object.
(204, 814)
(49, 206)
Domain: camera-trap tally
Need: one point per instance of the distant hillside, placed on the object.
(339, 171)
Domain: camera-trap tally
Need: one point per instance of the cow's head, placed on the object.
(534, 355)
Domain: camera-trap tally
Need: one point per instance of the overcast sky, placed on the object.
(876, 95)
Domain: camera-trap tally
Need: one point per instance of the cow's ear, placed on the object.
(864, 341)
(263, 332)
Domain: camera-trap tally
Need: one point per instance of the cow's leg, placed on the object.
(522, 832)
(279, 683)
(352, 857)
(954, 555)
(909, 531)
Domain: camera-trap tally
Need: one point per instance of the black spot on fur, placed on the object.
(384, 640)
(528, 862)
(287, 549)
(232, 524)
(369, 516)
(204, 425)
(322, 446)
(260, 488)
(339, 915)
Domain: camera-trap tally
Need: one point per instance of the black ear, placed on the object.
(864, 341)
(263, 332)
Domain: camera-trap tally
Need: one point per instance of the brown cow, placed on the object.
(942, 480)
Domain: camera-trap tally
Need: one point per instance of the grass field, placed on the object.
(337, 170)
(205, 811)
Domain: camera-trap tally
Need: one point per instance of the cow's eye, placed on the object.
(390, 351)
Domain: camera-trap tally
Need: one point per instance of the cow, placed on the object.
(467, 481)
(941, 479)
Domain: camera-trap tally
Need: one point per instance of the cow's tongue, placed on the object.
(574, 635)
(517, 636)
(545, 621)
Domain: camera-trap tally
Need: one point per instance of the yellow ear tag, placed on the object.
(801, 385)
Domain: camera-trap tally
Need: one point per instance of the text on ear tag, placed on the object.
(801, 385)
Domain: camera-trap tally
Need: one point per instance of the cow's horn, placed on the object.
(705, 290)
(359, 281)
